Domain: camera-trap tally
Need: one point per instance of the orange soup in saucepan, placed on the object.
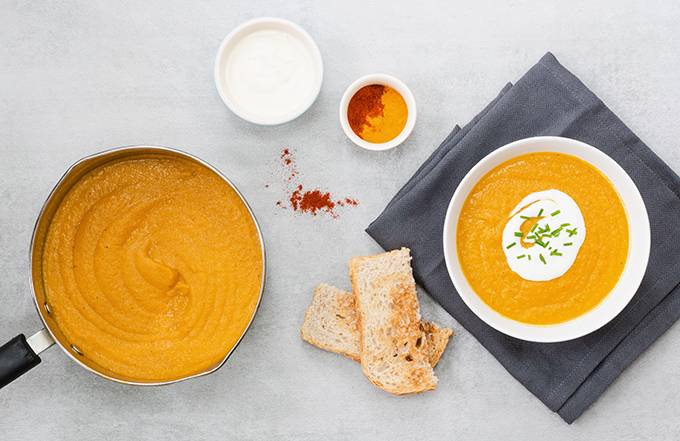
(543, 238)
(152, 268)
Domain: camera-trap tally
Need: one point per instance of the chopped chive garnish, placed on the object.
(525, 217)
(572, 232)
(518, 234)
(521, 256)
(529, 256)
(555, 213)
(547, 227)
(534, 227)
(568, 244)
(540, 213)
(555, 252)
(511, 245)
(540, 256)
(556, 232)
(531, 237)
(565, 224)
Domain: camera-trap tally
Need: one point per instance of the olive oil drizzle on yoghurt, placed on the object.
(543, 235)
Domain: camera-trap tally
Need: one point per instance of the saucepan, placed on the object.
(21, 354)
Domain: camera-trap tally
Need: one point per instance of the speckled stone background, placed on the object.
(78, 77)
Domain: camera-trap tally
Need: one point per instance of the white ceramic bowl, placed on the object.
(385, 80)
(258, 24)
(638, 248)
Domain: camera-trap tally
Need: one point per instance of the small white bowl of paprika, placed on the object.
(377, 112)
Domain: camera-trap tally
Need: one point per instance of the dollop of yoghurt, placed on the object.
(543, 235)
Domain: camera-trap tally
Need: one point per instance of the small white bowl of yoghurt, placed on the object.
(268, 71)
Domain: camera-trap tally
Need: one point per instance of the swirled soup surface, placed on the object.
(152, 267)
(597, 266)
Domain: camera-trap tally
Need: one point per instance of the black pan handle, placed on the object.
(16, 358)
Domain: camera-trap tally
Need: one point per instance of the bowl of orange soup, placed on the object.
(546, 239)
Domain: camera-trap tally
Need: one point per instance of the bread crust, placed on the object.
(338, 306)
(379, 324)
(394, 348)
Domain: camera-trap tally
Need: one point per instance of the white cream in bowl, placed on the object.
(268, 71)
(543, 235)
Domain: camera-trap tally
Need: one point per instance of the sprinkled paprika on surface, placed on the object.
(312, 201)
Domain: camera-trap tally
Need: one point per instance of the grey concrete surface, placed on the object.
(78, 77)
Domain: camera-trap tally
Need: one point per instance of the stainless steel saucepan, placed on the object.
(20, 354)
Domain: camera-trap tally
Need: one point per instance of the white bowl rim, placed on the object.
(386, 80)
(246, 27)
(634, 269)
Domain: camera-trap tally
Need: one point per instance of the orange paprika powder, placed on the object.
(377, 113)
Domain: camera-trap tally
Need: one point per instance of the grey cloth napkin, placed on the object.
(548, 100)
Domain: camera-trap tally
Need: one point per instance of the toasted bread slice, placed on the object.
(437, 340)
(331, 324)
(394, 348)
